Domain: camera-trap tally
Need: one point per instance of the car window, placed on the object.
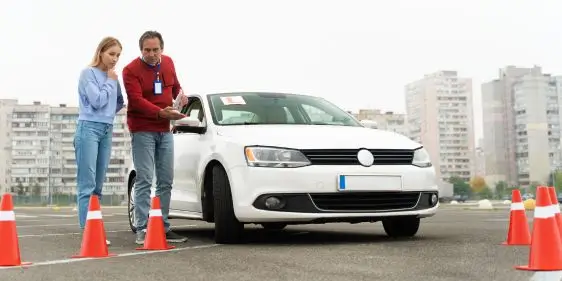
(236, 116)
(317, 115)
(271, 108)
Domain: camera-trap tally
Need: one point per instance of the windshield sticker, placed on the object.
(233, 100)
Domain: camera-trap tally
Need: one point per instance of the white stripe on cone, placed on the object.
(94, 215)
(555, 208)
(155, 213)
(7, 216)
(544, 212)
(517, 206)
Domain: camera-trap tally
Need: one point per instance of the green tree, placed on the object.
(477, 184)
(20, 189)
(460, 187)
(36, 190)
(557, 181)
(486, 193)
(533, 187)
(502, 189)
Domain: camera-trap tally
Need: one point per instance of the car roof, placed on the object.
(252, 92)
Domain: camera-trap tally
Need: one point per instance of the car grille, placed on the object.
(349, 156)
(365, 201)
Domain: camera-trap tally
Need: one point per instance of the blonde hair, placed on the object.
(104, 44)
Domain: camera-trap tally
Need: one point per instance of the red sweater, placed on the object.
(143, 105)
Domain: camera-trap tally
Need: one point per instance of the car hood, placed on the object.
(316, 137)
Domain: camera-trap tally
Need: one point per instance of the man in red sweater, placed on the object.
(152, 85)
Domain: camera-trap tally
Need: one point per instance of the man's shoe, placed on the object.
(173, 237)
(140, 237)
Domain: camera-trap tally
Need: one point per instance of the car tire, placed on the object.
(274, 225)
(131, 204)
(228, 230)
(401, 226)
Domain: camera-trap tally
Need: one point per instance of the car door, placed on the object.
(187, 147)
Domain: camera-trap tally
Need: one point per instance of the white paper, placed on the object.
(176, 104)
(233, 100)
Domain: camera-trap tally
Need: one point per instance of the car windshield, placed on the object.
(272, 108)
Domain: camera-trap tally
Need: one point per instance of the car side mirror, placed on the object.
(189, 125)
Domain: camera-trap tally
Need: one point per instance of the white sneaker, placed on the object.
(107, 242)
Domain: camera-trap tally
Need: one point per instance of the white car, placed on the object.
(280, 159)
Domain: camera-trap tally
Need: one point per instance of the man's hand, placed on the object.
(182, 99)
(170, 113)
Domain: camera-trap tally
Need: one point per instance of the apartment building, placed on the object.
(522, 133)
(6, 108)
(40, 152)
(499, 127)
(479, 167)
(440, 116)
(388, 120)
(537, 127)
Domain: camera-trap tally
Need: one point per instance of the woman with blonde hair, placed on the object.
(100, 98)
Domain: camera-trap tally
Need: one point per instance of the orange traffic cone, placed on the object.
(546, 244)
(518, 232)
(94, 239)
(155, 233)
(9, 243)
(555, 208)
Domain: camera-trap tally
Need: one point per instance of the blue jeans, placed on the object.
(92, 146)
(152, 151)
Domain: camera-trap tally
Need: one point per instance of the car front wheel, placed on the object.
(401, 226)
(131, 204)
(228, 230)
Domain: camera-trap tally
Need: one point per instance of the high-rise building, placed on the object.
(440, 116)
(39, 150)
(6, 109)
(522, 126)
(479, 167)
(388, 120)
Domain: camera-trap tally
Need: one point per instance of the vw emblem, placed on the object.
(365, 158)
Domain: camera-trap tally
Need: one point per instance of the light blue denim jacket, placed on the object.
(100, 97)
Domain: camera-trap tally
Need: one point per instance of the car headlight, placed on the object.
(274, 157)
(421, 158)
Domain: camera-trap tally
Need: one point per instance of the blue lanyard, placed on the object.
(156, 69)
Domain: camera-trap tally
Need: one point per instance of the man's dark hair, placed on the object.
(150, 35)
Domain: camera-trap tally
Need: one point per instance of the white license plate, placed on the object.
(369, 183)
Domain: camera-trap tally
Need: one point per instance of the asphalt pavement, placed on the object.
(454, 245)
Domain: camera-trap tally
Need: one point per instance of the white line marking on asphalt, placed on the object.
(49, 219)
(64, 234)
(49, 216)
(129, 254)
(60, 216)
(43, 220)
(547, 276)
(504, 220)
(25, 216)
(78, 233)
(64, 224)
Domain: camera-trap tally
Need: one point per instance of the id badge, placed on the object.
(157, 87)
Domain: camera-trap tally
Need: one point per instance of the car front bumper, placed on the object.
(310, 194)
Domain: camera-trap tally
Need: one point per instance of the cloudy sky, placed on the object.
(358, 54)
